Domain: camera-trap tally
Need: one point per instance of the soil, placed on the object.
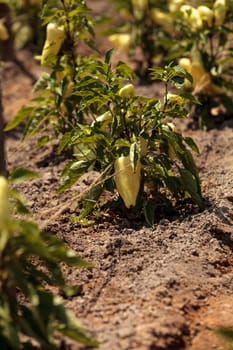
(169, 286)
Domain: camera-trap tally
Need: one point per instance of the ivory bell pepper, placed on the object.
(139, 7)
(202, 80)
(55, 36)
(163, 19)
(127, 180)
(206, 14)
(174, 5)
(140, 4)
(192, 17)
(4, 203)
(127, 91)
(219, 9)
(4, 35)
(105, 119)
(122, 41)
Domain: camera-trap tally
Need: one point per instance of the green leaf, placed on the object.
(149, 211)
(33, 325)
(8, 330)
(178, 81)
(73, 173)
(108, 55)
(60, 252)
(189, 163)
(191, 144)
(91, 200)
(20, 207)
(19, 175)
(65, 140)
(122, 143)
(124, 71)
(227, 102)
(190, 185)
(43, 141)
(34, 123)
(157, 73)
(24, 113)
(71, 327)
(174, 184)
(42, 82)
(227, 333)
(4, 237)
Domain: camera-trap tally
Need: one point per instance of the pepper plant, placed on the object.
(31, 315)
(138, 32)
(208, 56)
(25, 23)
(68, 27)
(198, 36)
(133, 147)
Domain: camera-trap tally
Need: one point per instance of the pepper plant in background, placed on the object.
(208, 57)
(3, 170)
(137, 32)
(197, 36)
(31, 316)
(68, 27)
(25, 23)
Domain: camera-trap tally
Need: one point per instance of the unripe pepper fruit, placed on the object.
(104, 119)
(163, 19)
(219, 9)
(127, 91)
(139, 7)
(206, 14)
(121, 40)
(4, 35)
(127, 180)
(55, 36)
(5, 208)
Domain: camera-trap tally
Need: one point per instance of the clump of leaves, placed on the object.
(56, 105)
(227, 334)
(31, 316)
(136, 128)
(207, 50)
(138, 32)
(199, 35)
(25, 23)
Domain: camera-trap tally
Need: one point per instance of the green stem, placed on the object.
(71, 44)
(3, 170)
(125, 123)
(165, 95)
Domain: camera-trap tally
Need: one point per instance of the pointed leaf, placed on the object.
(108, 55)
(191, 186)
(18, 175)
(149, 212)
(24, 113)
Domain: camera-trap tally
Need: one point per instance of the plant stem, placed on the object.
(3, 170)
(165, 95)
(71, 44)
(7, 46)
